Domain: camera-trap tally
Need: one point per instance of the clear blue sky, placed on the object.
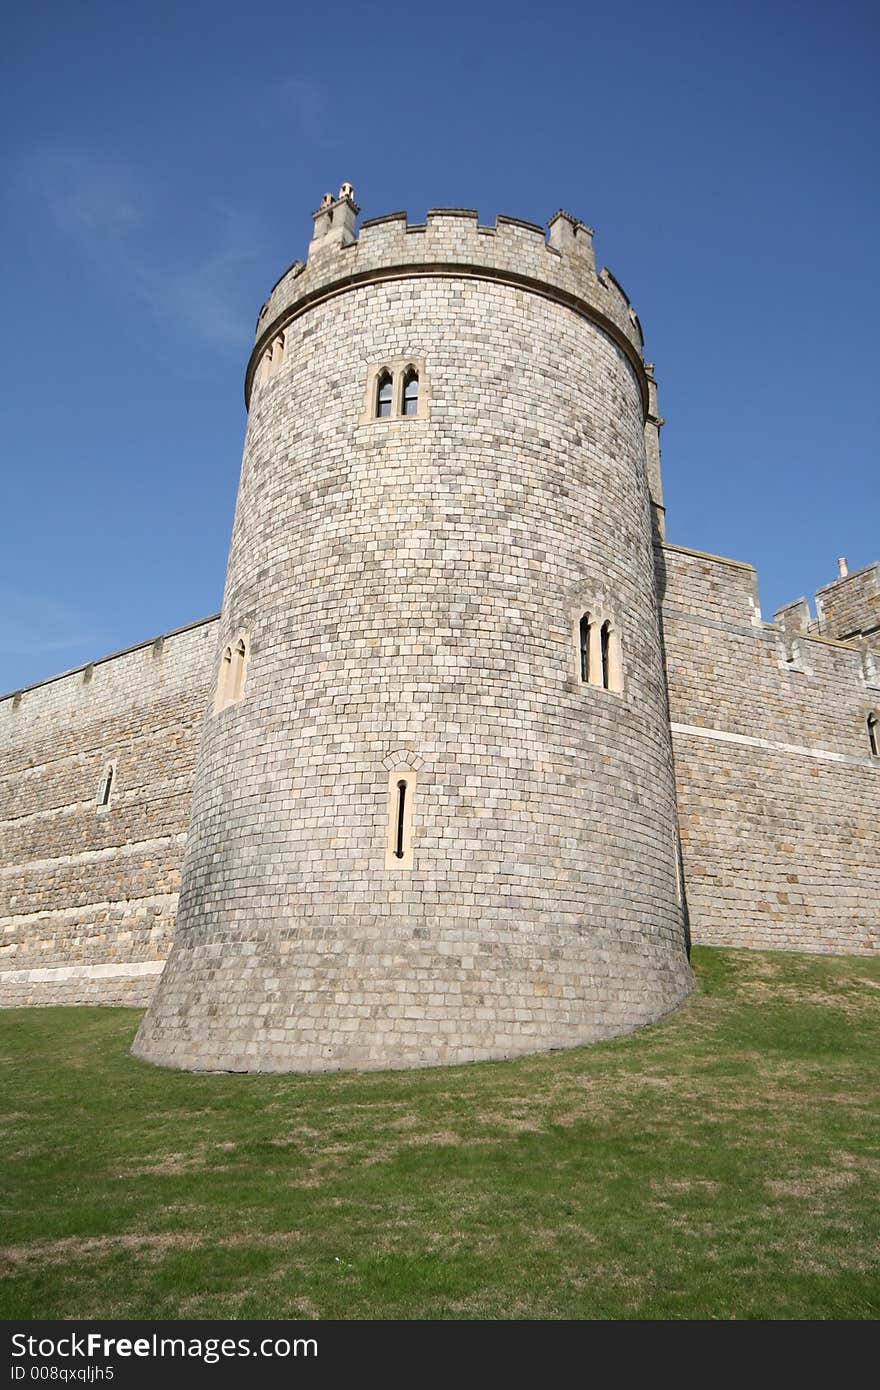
(162, 163)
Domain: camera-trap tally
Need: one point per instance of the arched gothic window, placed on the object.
(605, 639)
(239, 656)
(384, 396)
(224, 680)
(396, 390)
(584, 646)
(598, 653)
(410, 404)
(230, 680)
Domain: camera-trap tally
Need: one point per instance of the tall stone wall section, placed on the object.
(88, 893)
(778, 794)
(410, 590)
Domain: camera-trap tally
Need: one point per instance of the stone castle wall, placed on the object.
(88, 893)
(410, 590)
(778, 794)
(777, 797)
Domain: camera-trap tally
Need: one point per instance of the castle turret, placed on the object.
(434, 816)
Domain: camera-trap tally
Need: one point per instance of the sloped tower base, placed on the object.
(224, 1007)
(434, 817)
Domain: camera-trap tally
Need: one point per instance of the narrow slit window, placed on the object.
(676, 857)
(873, 735)
(411, 392)
(106, 786)
(384, 394)
(399, 835)
(399, 848)
(584, 646)
(606, 655)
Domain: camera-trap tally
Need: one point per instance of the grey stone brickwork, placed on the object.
(410, 588)
(849, 608)
(778, 794)
(88, 892)
(407, 593)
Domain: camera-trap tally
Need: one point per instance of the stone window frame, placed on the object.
(397, 368)
(232, 672)
(872, 725)
(600, 617)
(108, 785)
(402, 766)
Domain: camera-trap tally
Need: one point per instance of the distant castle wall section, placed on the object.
(849, 607)
(778, 794)
(88, 892)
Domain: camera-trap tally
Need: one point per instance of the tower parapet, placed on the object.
(451, 242)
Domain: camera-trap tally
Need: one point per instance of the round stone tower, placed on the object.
(434, 817)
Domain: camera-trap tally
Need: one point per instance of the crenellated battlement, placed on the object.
(557, 263)
(847, 611)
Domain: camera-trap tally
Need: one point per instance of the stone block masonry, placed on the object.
(410, 590)
(778, 792)
(849, 607)
(414, 796)
(88, 892)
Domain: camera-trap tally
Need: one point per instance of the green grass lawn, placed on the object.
(722, 1164)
